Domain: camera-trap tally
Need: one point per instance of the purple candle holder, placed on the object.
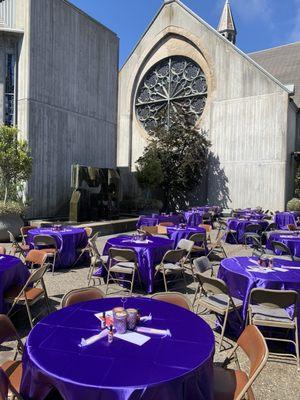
(132, 317)
(120, 322)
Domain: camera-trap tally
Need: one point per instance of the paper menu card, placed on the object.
(133, 337)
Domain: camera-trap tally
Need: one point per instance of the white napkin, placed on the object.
(146, 318)
(161, 332)
(93, 339)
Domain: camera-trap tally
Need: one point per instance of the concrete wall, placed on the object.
(68, 98)
(245, 116)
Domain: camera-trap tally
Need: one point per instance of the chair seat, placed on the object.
(123, 268)
(13, 370)
(169, 268)
(263, 314)
(228, 383)
(197, 248)
(220, 301)
(32, 294)
(104, 259)
(49, 251)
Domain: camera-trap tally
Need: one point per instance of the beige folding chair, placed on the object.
(17, 248)
(199, 240)
(202, 265)
(80, 295)
(122, 262)
(171, 264)
(285, 251)
(4, 384)
(35, 258)
(47, 244)
(11, 368)
(24, 232)
(30, 293)
(2, 250)
(187, 245)
(158, 230)
(217, 247)
(208, 229)
(176, 298)
(96, 260)
(214, 297)
(268, 308)
(231, 384)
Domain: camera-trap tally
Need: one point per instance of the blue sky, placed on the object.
(261, 24)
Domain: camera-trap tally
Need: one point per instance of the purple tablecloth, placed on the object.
(239, 225)
(149, 254)
(175, 219)
(12, 273)
(193, 218)
(176, 234)
(292, 240)
(172, 368)
(241, 280)
(68, 240)
(282, 219)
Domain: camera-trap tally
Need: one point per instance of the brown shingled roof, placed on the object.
(283, 63)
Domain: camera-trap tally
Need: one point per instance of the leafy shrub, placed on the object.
(11, 207)
(293, 204)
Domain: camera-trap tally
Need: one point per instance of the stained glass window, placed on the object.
(9, 98)
(173, 91)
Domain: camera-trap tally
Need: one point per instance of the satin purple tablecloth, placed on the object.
(149, 254)
(235, 272)
(176, 234)
(146, 221)
(68, 240)
(291, 239)
(172, 368)
(175, 218)
(239, 225)
(282, 219)
(12, 273)
(193, 218)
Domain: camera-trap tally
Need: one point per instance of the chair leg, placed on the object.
(165, 281)
(195, 295)
(132, 282)
(223, 329)
(107, 282)
(53, 265)
(297, 346)
(29, 313)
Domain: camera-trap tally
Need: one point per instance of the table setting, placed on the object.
(182, 231)
(193, 217)
(290, 238)
(120, 348)
(239, 225)
(149, 251)
(68, 240)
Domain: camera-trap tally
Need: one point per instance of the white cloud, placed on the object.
(294, 35)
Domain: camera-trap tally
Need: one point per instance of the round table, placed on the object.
(291, 240)
(12, 273)
(171, 368)
(174, 218)
(241, 274)
(283, 219)
(239, 225)
(146, 221)
(177, 233)
(193, 218)
(149, 253)
(68, 240)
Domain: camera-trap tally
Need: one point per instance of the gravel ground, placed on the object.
(279, 379)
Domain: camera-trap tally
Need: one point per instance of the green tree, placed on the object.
(175, 162)
(15, 162)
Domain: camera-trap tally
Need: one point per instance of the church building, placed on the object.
(247, 104)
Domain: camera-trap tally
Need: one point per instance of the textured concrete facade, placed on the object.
(67, 97)
(247, 115)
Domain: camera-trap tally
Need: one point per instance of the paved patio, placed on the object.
(279, 380)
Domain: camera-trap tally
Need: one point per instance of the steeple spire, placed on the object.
(226, 25)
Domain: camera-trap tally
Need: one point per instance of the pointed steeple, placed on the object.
(226, 25)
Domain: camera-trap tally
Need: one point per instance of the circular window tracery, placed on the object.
(173, 91)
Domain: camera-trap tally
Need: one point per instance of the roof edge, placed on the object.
(275, 47)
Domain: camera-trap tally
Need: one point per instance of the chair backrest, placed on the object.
(291, 227)
(44, 240)
(37, 257)
(198, 237)
(2, 250)
(8, 332)
(202, 264)
(185, 244)
(12, 239)
(162, 230)
(212, 285)
(80, 295)
(272, 226)
(207, 227)
(175, 298)
(173, 256)
(252, 342)
(255, 228)
(88, 231)
(272, 298)
(36, 276)
(92, 243)
(283, 248)
(150, 230)
(24, 230)
(122, 255)
(166, 223)
(4, 384)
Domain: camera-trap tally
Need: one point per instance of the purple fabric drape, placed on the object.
(176, 233)
(174, 218)
(68, 240)
(172, 368)
(239, 225)
(193, 218)
(146, 221)
(12, 273)
(282, 219)
(291, 239)
(235, 272)
(149, 254)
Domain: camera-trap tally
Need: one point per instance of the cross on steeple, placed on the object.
(226, 25)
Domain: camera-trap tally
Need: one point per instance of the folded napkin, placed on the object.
(161, 332)
(93, 339)
(146, 318)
